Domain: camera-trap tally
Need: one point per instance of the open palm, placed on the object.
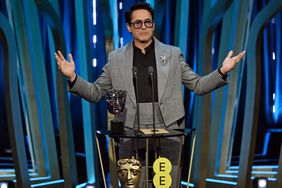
(67, 68)
(230, 62)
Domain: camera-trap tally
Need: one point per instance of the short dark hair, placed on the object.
(138, 6)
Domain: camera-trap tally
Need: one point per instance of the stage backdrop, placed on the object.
(48, 135)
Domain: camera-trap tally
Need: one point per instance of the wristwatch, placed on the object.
(223, 76)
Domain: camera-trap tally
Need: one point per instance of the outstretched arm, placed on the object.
(204, 84)
(89, 91)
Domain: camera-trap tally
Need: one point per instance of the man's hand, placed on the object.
(67, 68)
(230, 62)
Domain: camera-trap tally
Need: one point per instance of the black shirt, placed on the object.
(142, 62)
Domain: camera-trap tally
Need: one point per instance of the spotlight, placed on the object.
(90, 185)
(3, 185)
(260, 182)
(7, 184)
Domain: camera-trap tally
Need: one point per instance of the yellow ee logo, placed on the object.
(162, 168)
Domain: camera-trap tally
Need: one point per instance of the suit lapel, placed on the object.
(126, 71)
(162, 61)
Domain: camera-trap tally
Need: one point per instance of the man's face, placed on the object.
(129, 175)
(142, 34)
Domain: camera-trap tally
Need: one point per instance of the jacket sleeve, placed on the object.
(93, 92)
(201, 85)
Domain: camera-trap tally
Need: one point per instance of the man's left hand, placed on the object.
(230, 62)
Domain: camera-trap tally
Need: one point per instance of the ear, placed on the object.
(128, 28)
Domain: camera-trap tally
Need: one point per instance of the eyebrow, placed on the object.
(144, 19)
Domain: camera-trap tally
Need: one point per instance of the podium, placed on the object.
(182, 134)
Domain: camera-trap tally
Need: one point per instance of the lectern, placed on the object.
(182, 134)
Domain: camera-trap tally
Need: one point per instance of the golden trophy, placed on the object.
(129, 171)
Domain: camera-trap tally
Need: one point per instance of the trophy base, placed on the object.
(117, 127)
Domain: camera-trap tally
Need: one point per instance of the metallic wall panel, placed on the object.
(88, 109)
(43, 98)
(220, 98)
(13, 104)
(233, 35)
(181, 26)
(65, 126)
(201, 120)
(253, 91)
(29, 82)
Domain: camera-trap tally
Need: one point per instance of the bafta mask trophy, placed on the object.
(129, 171)
(116, 101)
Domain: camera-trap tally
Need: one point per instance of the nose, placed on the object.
(129, 176)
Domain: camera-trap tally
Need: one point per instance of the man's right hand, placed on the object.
(67, 68)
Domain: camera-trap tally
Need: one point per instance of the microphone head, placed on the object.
(134, 71)
(150, 70)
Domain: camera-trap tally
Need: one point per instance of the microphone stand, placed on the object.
(137, 133)
(151, 73)
(134, 70)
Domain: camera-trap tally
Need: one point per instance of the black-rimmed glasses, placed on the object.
(139, 23)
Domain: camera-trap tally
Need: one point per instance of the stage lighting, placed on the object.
(7, 184)
(89, 185)
(260, 182)
(3, 184)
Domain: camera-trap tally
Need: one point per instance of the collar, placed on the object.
(151, 46)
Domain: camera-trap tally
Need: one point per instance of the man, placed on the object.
(170, 72)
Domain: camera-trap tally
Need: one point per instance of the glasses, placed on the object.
(138, 24)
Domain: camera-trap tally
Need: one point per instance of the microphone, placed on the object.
(135, 77)
(151, 74)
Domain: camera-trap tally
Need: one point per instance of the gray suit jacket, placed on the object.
(172, 72)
